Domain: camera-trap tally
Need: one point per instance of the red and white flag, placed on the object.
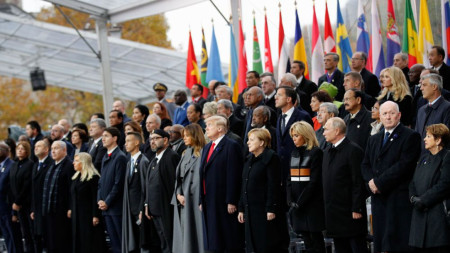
(317, 66)
(268, 65)
(329, 44)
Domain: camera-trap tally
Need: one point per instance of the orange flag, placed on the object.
(192, 72)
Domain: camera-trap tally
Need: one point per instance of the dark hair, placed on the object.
(255, 73)
(114, 132)
(34, 125)
(200, 87)
(83, 135)
(81, 126)
(119, 113)
(144, 110)
(12, 147)
(99, 115)
(300, 64)
(137, 135)
(358, 93)
(217, 84)
(439, 50)
(322, 96)
(198, 108)
(290, 92)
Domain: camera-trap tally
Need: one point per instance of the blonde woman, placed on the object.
(84, 212)
(396, 89)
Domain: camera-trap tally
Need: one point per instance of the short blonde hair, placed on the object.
(210, 108)
(218, 121)
(262, 134)
(306, 131)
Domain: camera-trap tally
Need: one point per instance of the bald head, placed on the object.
(65, 124)
(57, 132)
(390, 115)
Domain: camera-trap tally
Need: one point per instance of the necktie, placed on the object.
(211, 150)
(386, 138)
(131, 167)
(40, 166)
(283, 122)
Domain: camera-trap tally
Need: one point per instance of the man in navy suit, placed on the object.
(96, 149)
(180, 114)
(110, 186)
(285, 100)
(5, 207)
(220, 181)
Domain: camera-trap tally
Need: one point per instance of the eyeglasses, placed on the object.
(156, 138)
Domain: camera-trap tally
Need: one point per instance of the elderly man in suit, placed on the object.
(326, 111)
(220, 177)
(333, 75)
(343, 190)
(225, 107)
(269, 85)
(96, 149)
(358, 118)
(390, 159)
(110, 186)
(180, 114)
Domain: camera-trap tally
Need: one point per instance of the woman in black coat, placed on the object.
(87, 234)
(304, 187)
(20, 183)
(260, 202)
(429, 188)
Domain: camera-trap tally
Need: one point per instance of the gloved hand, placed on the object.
(418, 204)
(293, 205)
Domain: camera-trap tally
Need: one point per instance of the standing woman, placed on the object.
(304, 187)
(396, 89)
(187, 234)
(87, 234)
(376, 124)
(140, 114)
(261, 201)
(20, 183)
(79, 140)
(430, 231)
(161, 110)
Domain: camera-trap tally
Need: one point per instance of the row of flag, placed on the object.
(415, 42)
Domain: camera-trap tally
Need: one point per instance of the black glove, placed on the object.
(418, 204)
(293, 205)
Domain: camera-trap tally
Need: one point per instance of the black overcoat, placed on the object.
(37, 184)
(20, 183)
(358, 128)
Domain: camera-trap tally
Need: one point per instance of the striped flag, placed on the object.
(329, 44)
(425, 35)
(192, 73)
(376, 46)
(214, 64)
(410, 41)
(362, 34)
(257, 64)
(204, 62)
(343, 48)
(393, 40)
(445, 11)
(233, 68)
(242, 56)
(283, 57)
(268, 65)
(299, 46)
(317, 65)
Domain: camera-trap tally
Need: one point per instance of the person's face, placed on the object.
(76, 138)
(195, 91)
(95, 131)
(157, 109)
(160, 94)
(108, 140)
(389, 116)
(206, 115)
(414, 74)
(192, 115)
(174, 133)
(376, 111)
(212, 131)
(128, 129)
(267, 85)
(258, 119)
(254, 144)
(131, 144)
(295, 69)
(21, 152)
(156, 142)
(329, 132)
(434, 58)
(58, 153)
(298, 139)
(251, 80)
(150, 124)
(117, 105)
(385, 79)
(350, 101)
(77, 166)
(40, 149)
(137, 115)
(221, 93)
(179, 98)
(430, 142)
(399, 62)
(323, 115)
(56, 133)
(30, 131)
(357, 62)
(329, 62)
(349, 83)
(221, 109)
(427, 89)
(187, 139)
(281, 99)
(114, 119)
(253, 97)
(315, 103)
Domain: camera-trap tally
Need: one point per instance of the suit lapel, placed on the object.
(291, 121)
(217, 150)
(190, 165)
(392, 138)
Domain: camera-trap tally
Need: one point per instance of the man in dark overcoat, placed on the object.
(388, 167)
(96, 149)
(343, 189)
(220, 183)
(358, 119)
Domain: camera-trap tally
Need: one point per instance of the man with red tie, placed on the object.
(220, 175)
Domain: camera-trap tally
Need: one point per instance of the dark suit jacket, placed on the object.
(37, 187)
(271, 103)
(358, 128)
(439, 112)
(20, 181)
(134, 183)
(201, 102)
(337, 80)
(304, 89)
(391, 167)
(371, 84)
(444, 71)
(110, 186)
(236, 125)
(97, 153)
(5, 205)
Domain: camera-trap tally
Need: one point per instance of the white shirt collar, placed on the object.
(110, 152)
(300, 79)
(289, 114)
(434, 101)
(339, 142)
(271, 94)
(158, 156)
(391, 130)
(217, 141)
(97, 140)
(135, 156)
(438, 67)
(42, 161)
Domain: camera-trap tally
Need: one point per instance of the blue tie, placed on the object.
(386, 138)
(40, 166)
(131, 167)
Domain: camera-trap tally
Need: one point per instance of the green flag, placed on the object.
(257, 64)
(204, 62)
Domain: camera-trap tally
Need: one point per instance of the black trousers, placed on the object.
(313, 242)
(26, 232)
(356, 244)
(165, 238)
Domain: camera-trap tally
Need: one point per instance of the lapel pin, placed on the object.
(3, 169)
(358, 126)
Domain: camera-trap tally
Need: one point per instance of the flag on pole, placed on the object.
(192, 73)
(283, 57)
(410, 41)
(328, 40)
(214, 64)
(233, 68)
(317, 65)
(257, 64)
(242, 67)
(204, 63)
(377, 42)
(268, 65)
(299, 46)
(362, 34)
(445, 11)
(425, 35)
(343, 48)
(393, 40)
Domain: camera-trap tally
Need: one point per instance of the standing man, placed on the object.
(55, 200)
(436, 57)
(6, 226)
(388, 167)
(333, 75)
(153, 122)
(40, 169)
(268, 85)
(261, 116)
(220, 177)
(255, 96)
(176, 139)
(401, 62)
(225, 107)
(33, 130)
(116, 120)
(96, 150)
(353, 80)
(160, 185)
(119, 105)
(67, 133)
(197, 95)
(252, 80)
(110, 187)
(180, 114)
(372, 86)
(303, 85)
(160, 91)
(326, 111)
(57, 134)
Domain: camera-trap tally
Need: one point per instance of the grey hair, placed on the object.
(61, 144)
(397, 109)
(403, 55)
(338, 123)
(156, 117)
(265, 111)
(260, 91)
(435, 79)
(272, 78)
(291, 78)
(227, 103)
(210, 107)
(100, 122)
(335, 56)
(331, 108)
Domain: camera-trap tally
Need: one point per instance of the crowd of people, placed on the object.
(289, 160)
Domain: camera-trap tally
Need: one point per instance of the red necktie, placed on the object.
(211, 150)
